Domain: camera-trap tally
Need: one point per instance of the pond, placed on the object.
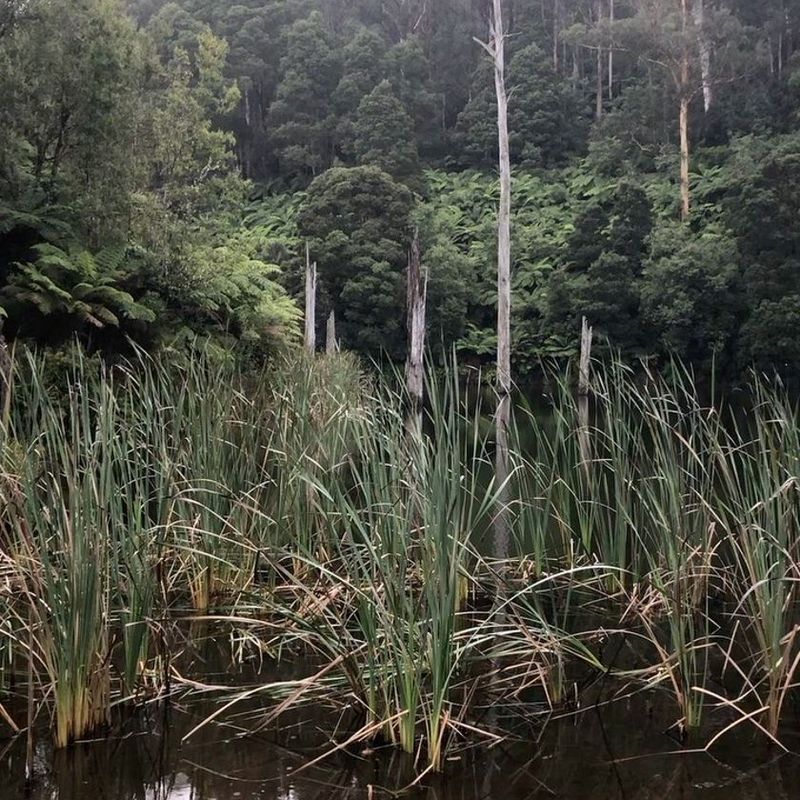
(613, 749)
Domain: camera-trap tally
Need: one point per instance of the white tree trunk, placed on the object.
(503, 416)
(686, 199)
(584, 440)
(599, 85)
(5, 380)
(704, 46)
(611, 18)
(684, 91)
(556, 32)
(416, 297)
(311, 304)
(331, 345)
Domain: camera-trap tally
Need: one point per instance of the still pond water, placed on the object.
(610, 751)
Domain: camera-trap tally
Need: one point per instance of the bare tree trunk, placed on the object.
(611, 53)
(684, 91)
(30, 743)
(311, 304)
(503, 416)
(584, 441)
(599, 86)
(416, 297)
(331, 345)
(699, 13)
(576, 68)
(556, 31)
(771, 56)
(5, 381)
(686, 200)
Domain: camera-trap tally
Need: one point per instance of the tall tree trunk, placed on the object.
(5, 381)
(684, 92)
(503, 416)
(704, 46)
(576, 68)
(599, 84)
(311, 304)
(686, 200)
(416, 297)
(331, 345)
(611, 52)
(556, 31)
(584, 440)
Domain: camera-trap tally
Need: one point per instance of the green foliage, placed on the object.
(689, 291)
(600, 275)
(73, 282)
(544, 120)
(363, 69)
(233, 289)
(357, 223)
(769, 338)
(121, 203)
(301, 113)
(135, 126)
(384, 134)
(409, 71)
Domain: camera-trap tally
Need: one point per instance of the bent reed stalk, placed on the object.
(300, 496)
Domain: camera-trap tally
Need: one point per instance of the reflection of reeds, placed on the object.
(303, 495)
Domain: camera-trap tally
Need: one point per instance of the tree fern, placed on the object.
(72, 280)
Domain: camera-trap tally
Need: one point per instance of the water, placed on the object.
(616, 751)
(582, 759)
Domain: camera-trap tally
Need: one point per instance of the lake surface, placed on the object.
(608, 751)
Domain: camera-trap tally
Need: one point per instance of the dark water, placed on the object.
(619, 751)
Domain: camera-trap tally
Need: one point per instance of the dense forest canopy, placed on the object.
(162, 165)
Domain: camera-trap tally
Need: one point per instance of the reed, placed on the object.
(302, 495)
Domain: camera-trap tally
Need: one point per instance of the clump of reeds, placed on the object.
(305, 495)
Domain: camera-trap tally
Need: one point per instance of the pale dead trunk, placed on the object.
(30, 748)
(311, 304)
(686, 200)
(556, 31)
(5, 381)
(584, 439)
(611, 53)
(771, 56)
(704, 46)
(576, 68)
(683, 121)
(416, 297)
(503, 416)
(599, 85)
(331, 345)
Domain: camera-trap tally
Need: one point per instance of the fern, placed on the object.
(71, 280)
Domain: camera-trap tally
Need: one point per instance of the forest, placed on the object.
(398, 398)
(164, 164)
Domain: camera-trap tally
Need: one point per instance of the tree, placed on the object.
(665, 33)
(301, 114)
(602, 268)
(409, 72)
(544, 119)
(689, 292)
(357, 221)
(363, 69)
(545, 125)
(496, 49)
(384, 134)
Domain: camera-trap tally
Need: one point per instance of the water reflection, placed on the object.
(590, 757)
(617, 752)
